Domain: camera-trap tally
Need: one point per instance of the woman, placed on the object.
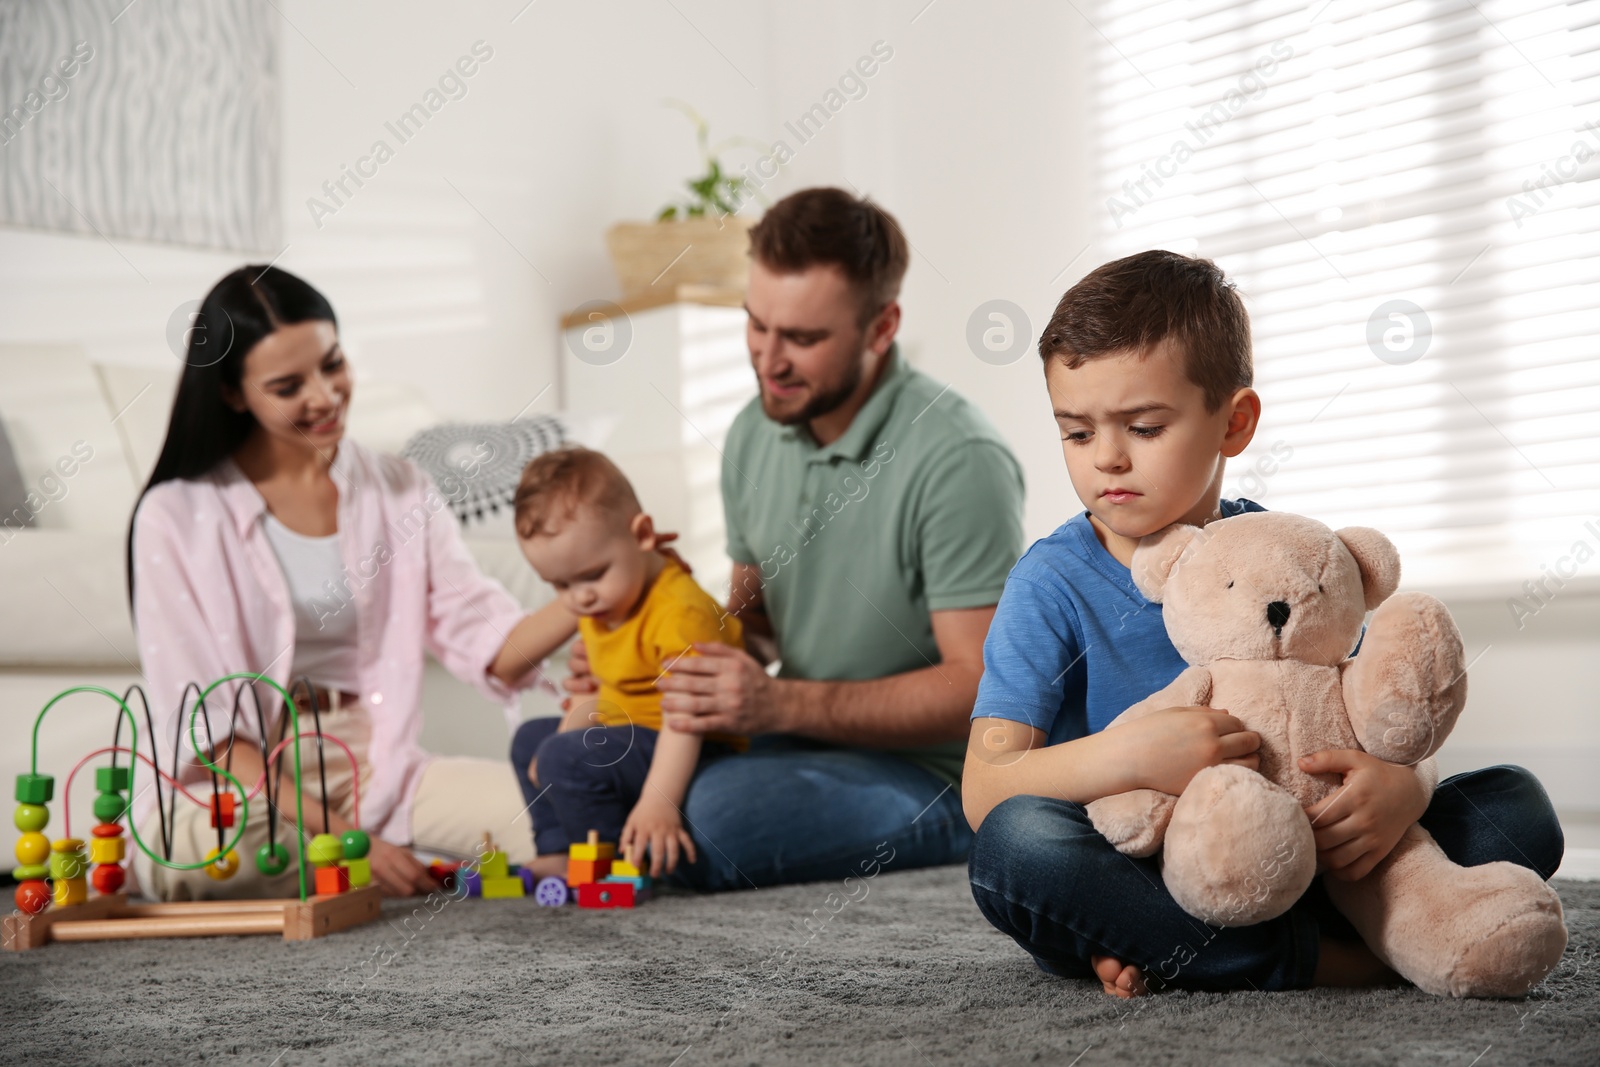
(265, 541)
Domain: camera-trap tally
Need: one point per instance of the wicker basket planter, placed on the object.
(653, 256)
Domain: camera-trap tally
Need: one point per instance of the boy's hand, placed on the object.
(1358, 824)
(655, 824)
(1168, 747)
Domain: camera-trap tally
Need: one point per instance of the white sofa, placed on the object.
(66, 621)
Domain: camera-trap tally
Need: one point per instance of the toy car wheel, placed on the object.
(551, 892)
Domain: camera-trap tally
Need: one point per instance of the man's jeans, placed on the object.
(1042, 873)
(793, 810)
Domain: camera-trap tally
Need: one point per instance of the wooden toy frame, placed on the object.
(112, 918)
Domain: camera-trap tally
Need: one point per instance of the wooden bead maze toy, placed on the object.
(52, 895)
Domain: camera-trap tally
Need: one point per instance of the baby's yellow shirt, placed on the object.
(629, 660)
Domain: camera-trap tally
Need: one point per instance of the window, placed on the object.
(1407, 195)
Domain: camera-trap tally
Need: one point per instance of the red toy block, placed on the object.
(605, 895)
(332, 880)
(222, 810)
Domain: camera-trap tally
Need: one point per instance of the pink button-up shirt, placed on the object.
(210, 599)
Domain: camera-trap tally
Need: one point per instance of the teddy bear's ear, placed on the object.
(1157, 555)
(1378, 559)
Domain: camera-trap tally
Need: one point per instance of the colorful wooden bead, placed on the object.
(66, 858)
(33, 849)
(69, 891)
(31, 872)
(332, 880)
(111, 779)
(32, 897)
(360, 871)
(324, 850)
(109, 807)
(356, 844)
(107, 850)
(31, 817)
(107, 879)
(222, 867)
(272, 859)
(222, 808)
(35, 788)
(106, 829)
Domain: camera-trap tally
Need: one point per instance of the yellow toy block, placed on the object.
(107, 850)
(624, 869)
(592, 849)
(494, 865)
(360, 872)
(71, 891)
(494, 888)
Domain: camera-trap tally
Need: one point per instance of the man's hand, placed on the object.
(1166, 748)
(579, 680)
(397, 872)
(1357, 825)
(655, 824)
(722, 690)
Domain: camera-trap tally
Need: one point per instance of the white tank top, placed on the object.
(324, 613)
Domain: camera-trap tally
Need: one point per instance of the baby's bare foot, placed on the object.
(1117, 978)
(553, 865)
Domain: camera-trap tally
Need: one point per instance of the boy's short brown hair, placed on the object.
(555, 483)
(1135, 303)
(827, 226)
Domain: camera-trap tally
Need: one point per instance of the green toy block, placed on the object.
(35, 788)
(111, 779)
(360, 872)
(494, 865)
(494, 888)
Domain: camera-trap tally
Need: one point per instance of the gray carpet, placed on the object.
(908, 974)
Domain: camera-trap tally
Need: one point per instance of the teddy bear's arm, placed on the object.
(1136, 822)
(1406, 687)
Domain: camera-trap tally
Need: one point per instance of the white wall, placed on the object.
(975, 134)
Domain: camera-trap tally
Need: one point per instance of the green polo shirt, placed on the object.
(916, 508)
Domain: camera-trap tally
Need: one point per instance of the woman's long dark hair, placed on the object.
(241, 309)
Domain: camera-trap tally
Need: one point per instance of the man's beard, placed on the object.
(820, 403)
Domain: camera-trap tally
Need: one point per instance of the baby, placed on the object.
(609, 765)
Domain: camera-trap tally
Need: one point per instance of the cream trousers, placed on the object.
(458, 800)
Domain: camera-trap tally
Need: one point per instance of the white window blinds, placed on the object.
(1407, 195)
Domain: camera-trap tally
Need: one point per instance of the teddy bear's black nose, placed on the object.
(1277, 614)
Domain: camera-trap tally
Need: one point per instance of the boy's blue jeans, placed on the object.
(789, 810)
(1043, 874)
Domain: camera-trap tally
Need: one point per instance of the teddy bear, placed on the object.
(1265, 607)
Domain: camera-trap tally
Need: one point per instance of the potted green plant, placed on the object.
(700, 239)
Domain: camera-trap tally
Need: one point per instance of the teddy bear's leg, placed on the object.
(1134, 822)
(1494, 930)
(1408, 685)
(1239, 848)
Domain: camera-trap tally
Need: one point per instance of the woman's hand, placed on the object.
(1358, 824)
(397, 872)
(655, 823)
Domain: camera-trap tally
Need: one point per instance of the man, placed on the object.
(872, 517)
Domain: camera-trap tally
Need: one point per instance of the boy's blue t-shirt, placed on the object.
(1074, 643)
